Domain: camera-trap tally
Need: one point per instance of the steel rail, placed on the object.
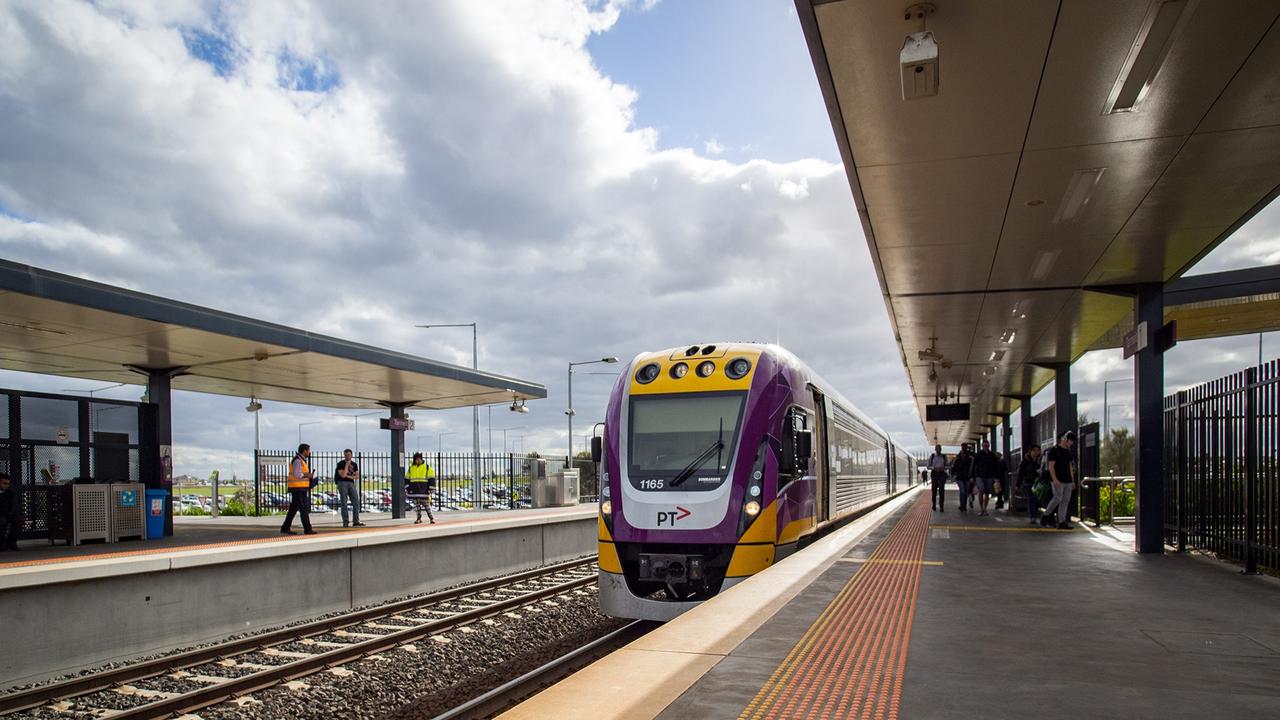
(235, 687)
(531, 682)
(74, 687)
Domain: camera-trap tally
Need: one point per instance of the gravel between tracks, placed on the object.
(436, 675)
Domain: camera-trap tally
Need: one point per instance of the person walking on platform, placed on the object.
(962, 472)
(1028, 473)
(937, 469)
(1062, 473)
(299, 484)
(1002, 481)
(422, 480)
(10, 513)
(986, 467)
(346, 475)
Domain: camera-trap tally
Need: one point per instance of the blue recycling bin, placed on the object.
(156, 501)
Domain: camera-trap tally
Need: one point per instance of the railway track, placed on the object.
(236, 668)
(500, 698)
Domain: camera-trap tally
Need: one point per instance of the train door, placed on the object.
(820, 468)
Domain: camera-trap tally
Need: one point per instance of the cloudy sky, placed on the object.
(581, 179)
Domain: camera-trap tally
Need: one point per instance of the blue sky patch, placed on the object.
(295, 72)
(217, 50)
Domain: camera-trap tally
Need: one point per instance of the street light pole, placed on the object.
(570, 411)
(475, 409)
(440, 440)
(1106, 409)
(504, 436)
(300, 425)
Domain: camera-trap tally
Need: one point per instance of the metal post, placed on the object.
(475, 422)
(159, 385)
(1182, 421)
(397, 464)
(1250, 471)
(1148, 391)
(569, 412)
(257, 463)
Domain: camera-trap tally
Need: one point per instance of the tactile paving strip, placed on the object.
(851, 662)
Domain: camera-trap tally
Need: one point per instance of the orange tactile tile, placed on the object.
(850, 663)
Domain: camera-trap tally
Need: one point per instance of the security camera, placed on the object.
(253, 406)
(518, 406)
(919, 63)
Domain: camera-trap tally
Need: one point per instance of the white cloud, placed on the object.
(713, 147)
(462, 161)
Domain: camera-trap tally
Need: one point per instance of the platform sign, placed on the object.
(396, 424)
(1135, 340)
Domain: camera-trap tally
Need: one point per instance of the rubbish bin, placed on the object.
(156, 501)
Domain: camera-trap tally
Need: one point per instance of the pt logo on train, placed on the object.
(719, 460)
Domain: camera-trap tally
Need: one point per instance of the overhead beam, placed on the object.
(1228, 285)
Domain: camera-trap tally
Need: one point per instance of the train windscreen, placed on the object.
(686, 434)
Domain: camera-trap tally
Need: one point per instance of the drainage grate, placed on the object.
(1205, 643)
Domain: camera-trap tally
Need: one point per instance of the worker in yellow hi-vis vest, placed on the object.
(422, 481)
(299, 483)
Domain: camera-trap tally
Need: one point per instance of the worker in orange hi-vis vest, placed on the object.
(299, 483)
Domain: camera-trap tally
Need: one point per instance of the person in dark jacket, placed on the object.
(10, 514)
(1002, 481)
(1028, 471)
(937, 469)
(986, 467)
(962, 472)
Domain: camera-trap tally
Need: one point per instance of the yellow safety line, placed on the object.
(890, 561)
(984, 528)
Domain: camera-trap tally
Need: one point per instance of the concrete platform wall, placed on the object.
(52, 629)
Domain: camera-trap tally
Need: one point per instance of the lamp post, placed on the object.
(356, 419)
(95, 390)
(300, 425)
(504, 435)
(1106, 409)
(440, 440)
(475, 409)
(570, 411)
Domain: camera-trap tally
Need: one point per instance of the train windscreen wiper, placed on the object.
(704, 456)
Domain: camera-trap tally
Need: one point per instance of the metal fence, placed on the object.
(505, 481)
(1223, 494)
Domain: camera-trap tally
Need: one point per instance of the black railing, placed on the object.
(1223, 494)
(505, 482)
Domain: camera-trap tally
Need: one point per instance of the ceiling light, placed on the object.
(1020, 309)
(1159, 29)
(929, 355)
(1008, 335)
(1044, 262)
(1079, 190)
(997, 355)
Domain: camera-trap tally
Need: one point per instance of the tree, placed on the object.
(1083, 419)
(1118, 453)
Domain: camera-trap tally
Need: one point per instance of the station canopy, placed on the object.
(57, 324)
(1072, 151)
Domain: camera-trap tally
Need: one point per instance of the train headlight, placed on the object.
(647, 373)
(679, 370)
(606, 507)
(705, 368)
(752, 508)
(738, 368)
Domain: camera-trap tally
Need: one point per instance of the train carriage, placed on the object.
(719, 460)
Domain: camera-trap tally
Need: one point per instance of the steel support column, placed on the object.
(160, 394)
(1148, 384)
(397, 463)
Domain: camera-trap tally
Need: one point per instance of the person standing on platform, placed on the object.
(10, 513)
(1002, 481)
(937, 469)
(1062, 473)
(1028, 473)
(299, 484)
(986, 467)
(421, 478)
(962, 472)
(346, 475)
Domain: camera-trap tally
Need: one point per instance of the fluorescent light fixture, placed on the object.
(1008, 335)
(1079, 191)
(1020, 309)
(1160, 28)
(998, 355)
(1044, 263)
(988, 371)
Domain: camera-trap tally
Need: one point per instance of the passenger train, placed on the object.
(718, 461)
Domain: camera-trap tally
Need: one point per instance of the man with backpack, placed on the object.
(299, 483)
(962, 472)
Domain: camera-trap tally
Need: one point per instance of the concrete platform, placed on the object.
(1000, 621)
(69, 608)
